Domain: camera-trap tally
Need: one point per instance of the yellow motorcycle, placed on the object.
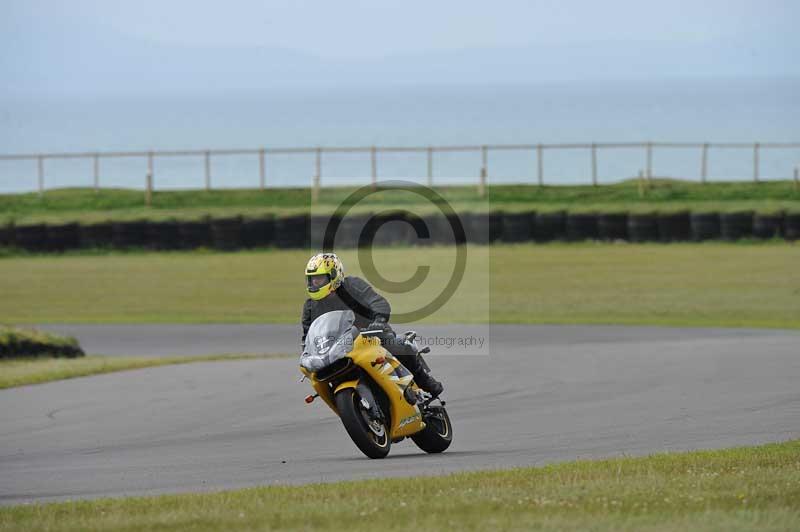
(370, 390)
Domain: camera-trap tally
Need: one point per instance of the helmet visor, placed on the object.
(317, 281)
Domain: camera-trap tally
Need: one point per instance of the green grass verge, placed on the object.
(710, 284)
(20, 372)
(84, 205)
(748, 488)
(15, 341)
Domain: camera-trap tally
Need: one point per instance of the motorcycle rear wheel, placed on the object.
(438, 432)
(371, 437)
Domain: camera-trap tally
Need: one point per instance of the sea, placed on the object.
(681, 111)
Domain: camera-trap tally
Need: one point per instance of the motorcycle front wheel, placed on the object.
(370, 436)
(438, 432)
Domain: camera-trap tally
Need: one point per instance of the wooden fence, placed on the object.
(537, 150)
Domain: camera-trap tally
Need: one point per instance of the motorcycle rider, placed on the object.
(330, 289)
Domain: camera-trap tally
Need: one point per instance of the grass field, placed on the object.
(20, 372)
(85, 205)
(749, 488)
(711, 284)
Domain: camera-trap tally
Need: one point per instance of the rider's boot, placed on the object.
(410, 355)
(426, 381)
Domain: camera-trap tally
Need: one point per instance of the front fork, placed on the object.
(368, 401)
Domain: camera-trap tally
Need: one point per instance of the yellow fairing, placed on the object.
(406, 419)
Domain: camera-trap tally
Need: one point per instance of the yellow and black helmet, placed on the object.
(324, 274)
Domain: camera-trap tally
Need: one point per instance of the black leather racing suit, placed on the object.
(357, 295)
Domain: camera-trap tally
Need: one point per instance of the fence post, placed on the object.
(148, 193)
(704, 164)
(649, 161)
(96, 172)
(208, 170)
(262, 173)
(317, 176)
(641, 184)
(150, 163)
(374, 162)
(484, 172)
(40, 165)
(430, 166)
(540, 164)
(594, 164)
(755, 162)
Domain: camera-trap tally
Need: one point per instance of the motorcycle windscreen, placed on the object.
(329, 338)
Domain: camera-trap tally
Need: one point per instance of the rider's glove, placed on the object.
(378, 324)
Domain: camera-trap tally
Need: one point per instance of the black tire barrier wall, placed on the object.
(791, 226)
(130, 234)
(643, 228)
(62, 237)
(613, 226)
(550, 226)
(674, 227)
(767, 226)
(495, 225)
(439, 231)
(388, 229)
(258, 232)
(518, 226)
(100, 235)
(226, 233)
(31, 237)
(194, 234)
(476, 227)
(705, 226)
(163, 235)
(351, 228)
(400, 229)
(736, 225)
(6, 236)
(582, 226)
(292, 232)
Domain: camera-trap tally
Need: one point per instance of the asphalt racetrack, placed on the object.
(544, 394)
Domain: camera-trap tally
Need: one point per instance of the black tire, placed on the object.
(226, 233)
(62, 237)
(6, 235)
(791, 224)
(582, 226)
(387, 229)
(367, 440)
(477, 228)
(705, 226)
(439, 230)
(550, 226)
(163, 235)
(32, 237)
(194, 234)
(612, 226)
(437, 436)
(643, 228)
(674, 227)
(518, 226)
(96, 236)
(131, 234)
(767, 225)
(258, 232)
(736, 225)
(293, 232)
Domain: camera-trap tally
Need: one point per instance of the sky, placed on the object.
(43, 42)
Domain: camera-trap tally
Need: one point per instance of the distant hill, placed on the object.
(68, 60)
